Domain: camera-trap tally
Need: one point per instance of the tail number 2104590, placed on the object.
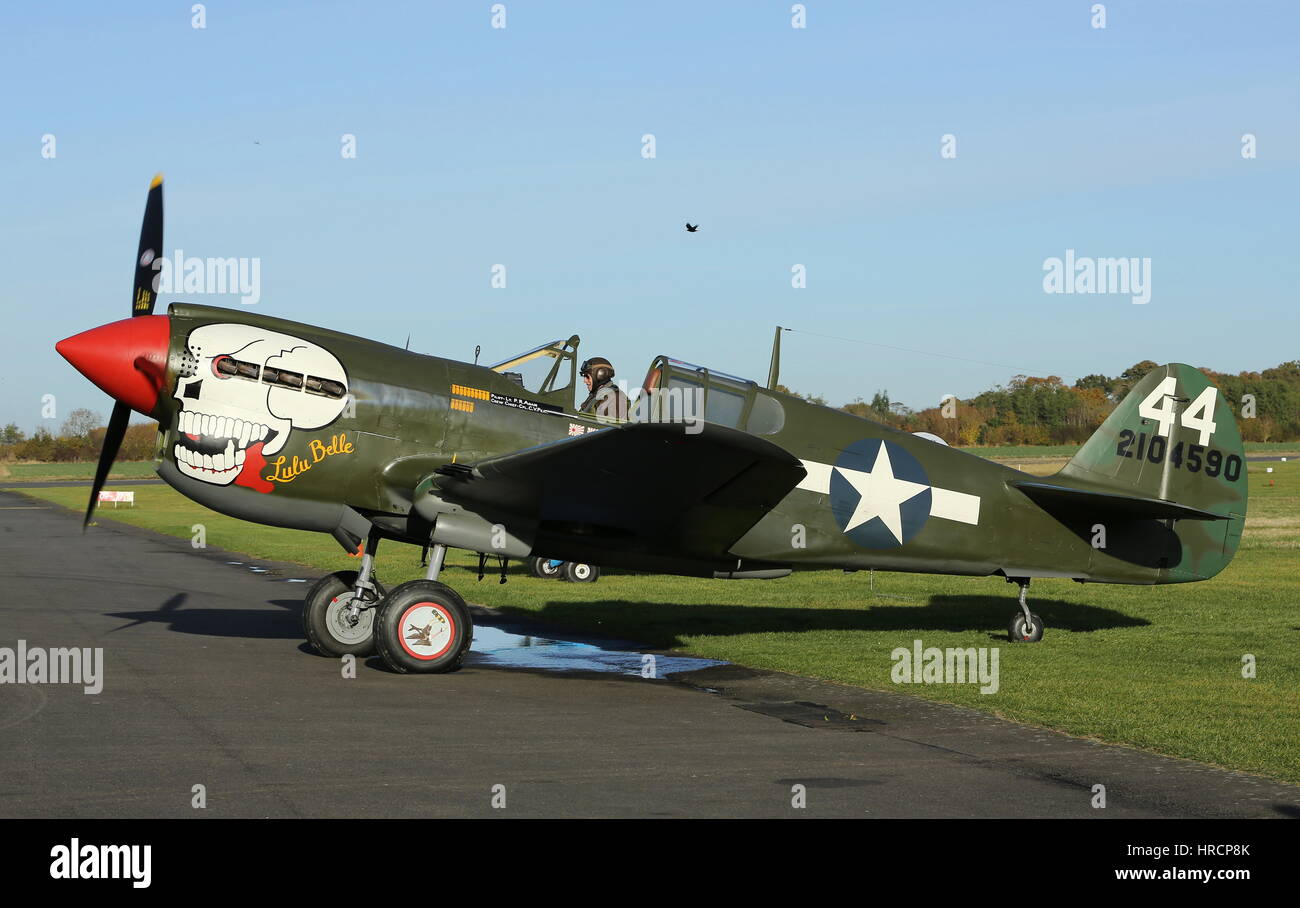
(1194, 459)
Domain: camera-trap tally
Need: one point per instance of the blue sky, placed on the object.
(522, 146)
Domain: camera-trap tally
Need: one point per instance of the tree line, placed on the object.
(79, 439)
(1044, 411)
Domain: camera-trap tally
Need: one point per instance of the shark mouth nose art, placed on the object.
(215, 448)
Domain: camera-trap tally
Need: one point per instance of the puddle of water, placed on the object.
(493, 646)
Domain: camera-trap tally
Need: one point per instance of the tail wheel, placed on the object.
(423, 627)
(1023, 631)
(327, 619)
(578, 572)
(546, 568)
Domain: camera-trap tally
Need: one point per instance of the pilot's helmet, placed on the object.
(600, 369)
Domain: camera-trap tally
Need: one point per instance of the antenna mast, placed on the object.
(774, 370)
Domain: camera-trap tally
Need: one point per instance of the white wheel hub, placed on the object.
(427, 630)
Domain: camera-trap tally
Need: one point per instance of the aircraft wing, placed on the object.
(640, 487)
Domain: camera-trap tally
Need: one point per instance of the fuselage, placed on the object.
(344, 426)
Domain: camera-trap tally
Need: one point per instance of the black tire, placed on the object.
(322, 617)
(541, 567)
(580, 572)
(1020, 631)
(398, 631)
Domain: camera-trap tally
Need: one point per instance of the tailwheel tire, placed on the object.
(578, 572)
(1022, 631)
(327, 618)
(544, 568)
(423, 627)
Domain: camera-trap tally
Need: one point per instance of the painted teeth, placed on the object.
(228, 459)
(240, 432)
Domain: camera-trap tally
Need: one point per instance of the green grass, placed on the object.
(53, 472)
(1272, 447)
(1153, 667)
(999, 452)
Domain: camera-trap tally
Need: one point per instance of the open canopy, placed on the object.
(548, 370)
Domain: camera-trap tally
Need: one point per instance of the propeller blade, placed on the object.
(145, 293)
(107, 454)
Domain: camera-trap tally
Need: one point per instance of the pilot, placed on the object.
(606, 400)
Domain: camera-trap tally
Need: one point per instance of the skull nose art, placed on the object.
(127, 360)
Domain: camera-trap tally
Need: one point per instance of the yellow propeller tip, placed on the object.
(157, 181)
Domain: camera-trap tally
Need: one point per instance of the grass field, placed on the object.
(1154, 667)
(1067, 451)
(52, 472)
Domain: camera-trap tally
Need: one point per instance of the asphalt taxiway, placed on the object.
(207, 682)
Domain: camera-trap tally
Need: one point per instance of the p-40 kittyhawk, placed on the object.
(711, 475)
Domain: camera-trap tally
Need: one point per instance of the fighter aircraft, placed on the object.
(712, 475)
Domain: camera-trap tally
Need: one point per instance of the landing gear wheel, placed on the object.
(327, 617)
(542, 567)
(1025, 631)
(423, 627)
(577, 572)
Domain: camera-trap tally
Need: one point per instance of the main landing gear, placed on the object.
(420, 626)
(1025, 627)
(338, 615)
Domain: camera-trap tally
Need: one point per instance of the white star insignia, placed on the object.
(880, 494)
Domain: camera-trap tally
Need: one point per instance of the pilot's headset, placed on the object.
(600, 370)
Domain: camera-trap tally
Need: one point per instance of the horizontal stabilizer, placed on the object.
(1054, 498)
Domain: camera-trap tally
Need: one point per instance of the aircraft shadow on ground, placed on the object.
(669, 622)
(664, 624)
(283, 623)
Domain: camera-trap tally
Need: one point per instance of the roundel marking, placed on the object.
(879, 493)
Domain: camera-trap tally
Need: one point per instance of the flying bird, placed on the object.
(690, 228)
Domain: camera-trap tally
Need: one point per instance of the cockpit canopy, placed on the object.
(676, 390)
(547, 371)
(673, 391)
